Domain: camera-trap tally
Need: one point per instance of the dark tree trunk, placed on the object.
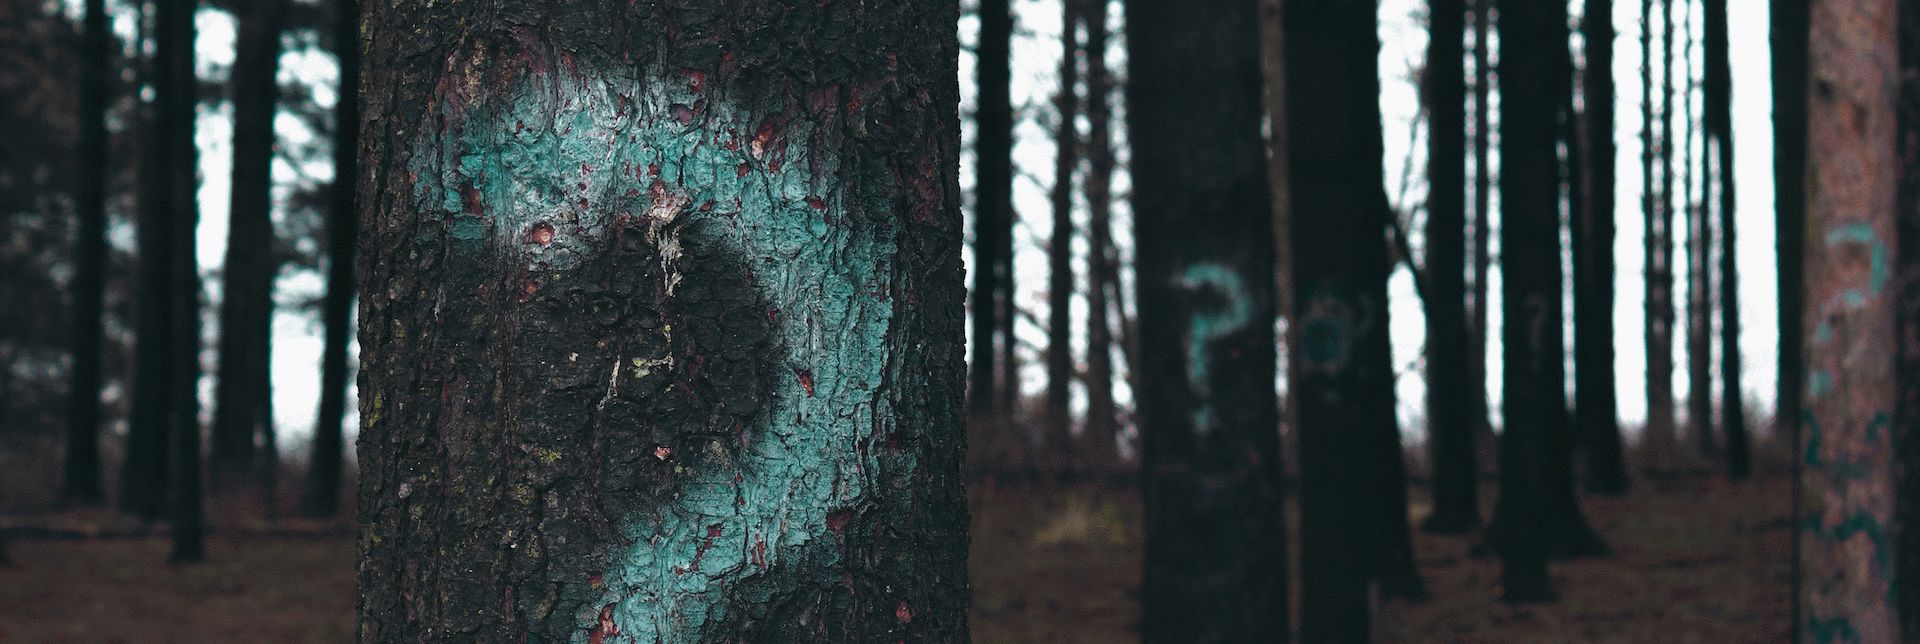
(1338, 221)
(1789, 35)
(993, 203)
(1699, 249)
(80, 482)
(1482, 231)
(1538, 514)
(322, 494)
(1456, 495)
(1719, 118)
(1851, 582)
(1103, 283)
(662, 323)
(1906, 413)
(175, 99)
(246, 308)
(1657, 208)
(1060, 247)
(1215, 537)
(1597, 421)
(143, 475)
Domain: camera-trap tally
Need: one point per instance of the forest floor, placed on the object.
(1695, 560)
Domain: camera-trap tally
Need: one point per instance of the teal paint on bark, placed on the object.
(546, 172)
(1205, 327)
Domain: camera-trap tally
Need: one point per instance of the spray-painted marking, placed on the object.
(1208, 326)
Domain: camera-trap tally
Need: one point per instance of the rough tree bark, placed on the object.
(1456, 494)
(1215, 547)
(322, 495)
(246, 307)
(80, 480)
(661, 311)
(1848, 551)
(993, 202)
(1719, 121)
(1066, 105)
(1597, 410)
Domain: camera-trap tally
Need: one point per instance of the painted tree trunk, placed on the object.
(1848, 550)
(993, 203)
(175, 101)
(80, 482)
(246, 308)
(1343, 379)
(1103, 300)
(1060, 289)
(661, 314)
(1456, 493)
(1215, 564)
(1658, 249)
(322, 494)
(1719, 118)
(1595, 404)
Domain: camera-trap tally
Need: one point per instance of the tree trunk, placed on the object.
(1719, 119)
(1657, 207)
(1789, 35)
(1699, 245)
(993, 203)
(1102, 278)
(322, 494)
(175, 98)
(1849, 550)
(1215, 538)
(1340, 264)
(246, 308)
(1456, 493)
(80, 482)
(1482, 413)
(143, 474)
(1597, 411)
(1060, 248)
(1906, 414)
(662, 323)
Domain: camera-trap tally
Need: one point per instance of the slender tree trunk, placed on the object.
(80, 483)
(1849, 552)
(246, 309)
(662, 333)
(1215, 537)
(322, 494)
(1103, 281)
(1699, 250)
(1789, 35)
(1598, 416)
(1659, 248)
(1906, 413)
(993, 202)
(1060, 248)
(143, 475)
(175, 98)
(1719, 119)
(1482, 234)
(1456, 494)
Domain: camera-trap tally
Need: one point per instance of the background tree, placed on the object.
(143, 475)
(1656, 206)
(1597, 416)
(1719, 122)
(1848, 584)
(81, 483)
(1060, 289)
(1482, 266)
(673, 311)
(1788, 40)
(1699, 248)
(1103, 275)
(174, 111)
(1215, 548)
(322, 495)
(1456, 495)
(993, 204)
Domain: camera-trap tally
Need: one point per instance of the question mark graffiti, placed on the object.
(1206, 327)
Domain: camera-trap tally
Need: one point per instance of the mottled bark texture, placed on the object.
(1066, 105)
(1456, 496)
(1215, 564)
(322, 495)
(1597, 415)
(1343, 384)
(1848, 551)
(993, 205)
(246, 306)
(1719, 120)
(80, 480)
(661, 310)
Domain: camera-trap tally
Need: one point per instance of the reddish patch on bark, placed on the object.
(816, 203)
(742, 170)
(594, 581)
(837, 520)
(605, 628)
(573, 68)
(662, 452)
(806, 380)
(903, 612)
(762, 138)
(696, 80)
(760, 552)
(653, 170)
(681, 113)
(713, 531)
(470, 199)
(527, 289)
(541, 233)
(853, 100)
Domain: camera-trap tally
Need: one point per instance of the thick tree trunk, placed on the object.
(1215, 538)
(1060, 289)
(175, 99)
(1719, 118)
(1657, 204)
(246, 308)
(661, 317)
(1344, 374)
(322, 494)
(1789, 85)
(993, 204)
(80, 482)
(1450, 423)
(1102, 277)
(1849, 550)
(143, 474)
(1597, 421)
